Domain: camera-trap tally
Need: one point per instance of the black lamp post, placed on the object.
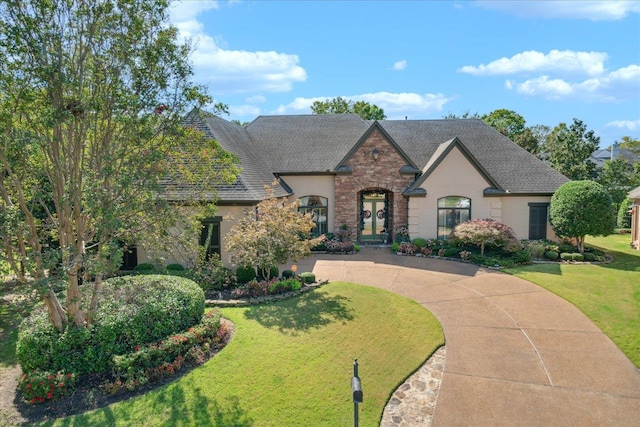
(356, 388)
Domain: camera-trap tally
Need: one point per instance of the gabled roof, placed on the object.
(439, 155)
(320, 144)
(635, 193)
(250, 183)
(375, 126)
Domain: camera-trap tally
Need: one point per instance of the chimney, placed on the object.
(615, 151)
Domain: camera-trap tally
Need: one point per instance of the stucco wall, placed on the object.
(314, 185)
(515, 213)
(454, 176)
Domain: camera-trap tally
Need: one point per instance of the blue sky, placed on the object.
(549, 61)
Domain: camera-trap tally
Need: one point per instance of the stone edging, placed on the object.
(243, 302)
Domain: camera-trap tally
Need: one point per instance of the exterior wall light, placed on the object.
(375, 153)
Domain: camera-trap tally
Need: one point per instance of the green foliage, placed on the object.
(589, 256)
(277, 234)
(287, 274)
(579, 208)
(483, 232)
(211, 274)
(340, 105)
(551, 255)
(144, 267)
(507, 122)
(624, 216)
(618, 177)
(175, 267)
(92, 137)
(307, 277)
(419, 242)
(134, 310)
(536, 248)
(521, 257)
(283, 286)
(566, 256)
(268, 273)
(395, 246)
(569, 148)
(245, 274)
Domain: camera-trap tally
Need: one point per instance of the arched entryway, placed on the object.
(375, 215)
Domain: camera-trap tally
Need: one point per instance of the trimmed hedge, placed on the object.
(245, 274)
(419, 242)
(133, 310)
(307, 277)
(552, 255)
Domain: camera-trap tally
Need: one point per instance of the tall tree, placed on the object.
(579, 208)
(507, 122)
(569, 148)
(340, 105)
(617, 176)
(92, 98)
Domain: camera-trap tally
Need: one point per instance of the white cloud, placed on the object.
(608, 10)
(630, 125)
(244, 110)
(395, 105)
(229, 71)
(566, 61)
(400, 65)
(256, 99)
(617, 86)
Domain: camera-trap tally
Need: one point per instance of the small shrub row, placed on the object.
(262, 288)
(39, 386)
(566, 256)
(336, 246)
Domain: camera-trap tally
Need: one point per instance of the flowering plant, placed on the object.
(402, 234)
(39, 386)
(465, 255)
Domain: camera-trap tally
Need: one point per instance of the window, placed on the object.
(316, 206)
(538, 220)
(452, 211)
(210, 236)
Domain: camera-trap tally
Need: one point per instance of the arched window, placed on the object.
(452, 211)
(317, 207)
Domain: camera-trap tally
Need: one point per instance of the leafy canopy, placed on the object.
(482, 232)
(580, 208)
(340, 105)
(272, 234)
(569, 148)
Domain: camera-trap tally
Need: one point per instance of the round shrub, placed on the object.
(273, 272)
(577, 257)
(287, 274)
(588, 256)
(245, 274)
(566, 256)
(307, 277)
(419, 242)
(395, 246)
(133, 310)
(175, 267)
(551, 255)
(145, 267)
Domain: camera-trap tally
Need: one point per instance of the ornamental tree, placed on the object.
(271, 234)
(92, 98)
(579, 208)
(482, 232)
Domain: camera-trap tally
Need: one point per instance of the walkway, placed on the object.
(516, 354)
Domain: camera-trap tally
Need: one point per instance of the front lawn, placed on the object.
(609, 294)
(291, 362)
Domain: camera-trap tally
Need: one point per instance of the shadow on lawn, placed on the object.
(312, 310)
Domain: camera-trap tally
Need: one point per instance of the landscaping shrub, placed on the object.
(589, 256)
(407, 248)
(133, 310)
(356, 247)
(283, 286)
(307, 277)
(395, 246)
(551, 255)
(419, 242)
(145, 267)
(521, 257)
(245, 274)
(573, 256)
(175, 267)
(536, 248)
(38, 386)
(286, 274)
(485, 233)
(335, 246)
(272, 272)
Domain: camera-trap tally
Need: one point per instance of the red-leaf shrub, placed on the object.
(482, 232)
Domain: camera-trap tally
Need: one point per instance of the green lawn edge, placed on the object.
(608, 293)
(291, 362)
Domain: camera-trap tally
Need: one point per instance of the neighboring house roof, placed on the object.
(318, 143)
(600, 156)
(635, 193)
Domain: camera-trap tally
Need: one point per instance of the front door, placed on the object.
(374, 213)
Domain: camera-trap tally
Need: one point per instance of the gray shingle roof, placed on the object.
(249, 185)
(635, 193)
(318, 143)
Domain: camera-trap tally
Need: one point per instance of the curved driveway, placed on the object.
(516, 353)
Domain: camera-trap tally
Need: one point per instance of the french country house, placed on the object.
(634, 195)
(377, 176)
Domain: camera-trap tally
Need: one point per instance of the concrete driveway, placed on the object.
(517, 355)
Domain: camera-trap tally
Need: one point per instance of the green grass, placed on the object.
(609, 294)
(291, 363)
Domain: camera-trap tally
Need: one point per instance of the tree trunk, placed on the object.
(56, 312)
(97, 290)
(74, 312)
(580, 244)
(482, 249)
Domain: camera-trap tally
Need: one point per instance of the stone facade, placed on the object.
(367, 174)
